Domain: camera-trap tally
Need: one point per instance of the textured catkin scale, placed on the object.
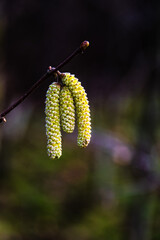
(82, 108)
(67, 110)
(53, 131)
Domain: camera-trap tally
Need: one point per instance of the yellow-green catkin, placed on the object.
(82, 108)
(67, 110)
(53, 131)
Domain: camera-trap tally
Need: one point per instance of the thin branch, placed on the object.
(50, 71)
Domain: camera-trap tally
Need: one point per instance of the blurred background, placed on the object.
(111, 189)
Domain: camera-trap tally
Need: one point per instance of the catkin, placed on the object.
(53, 132)
(67, 110)
(82, 108)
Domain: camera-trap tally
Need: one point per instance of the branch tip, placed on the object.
(3, 119)
(50, 68)
(84, 45)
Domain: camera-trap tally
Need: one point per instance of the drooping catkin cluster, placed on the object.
(62, 104)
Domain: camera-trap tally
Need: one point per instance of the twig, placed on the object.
(50, 71)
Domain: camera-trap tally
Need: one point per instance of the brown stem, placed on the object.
(51, 70)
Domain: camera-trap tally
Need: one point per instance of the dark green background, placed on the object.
(111, 189)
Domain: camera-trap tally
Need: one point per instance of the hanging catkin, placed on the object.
(67, 110)
(53, 131)
(82, 108)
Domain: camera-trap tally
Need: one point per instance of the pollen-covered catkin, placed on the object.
(67, 110)
(82, 108)
(53, 131)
